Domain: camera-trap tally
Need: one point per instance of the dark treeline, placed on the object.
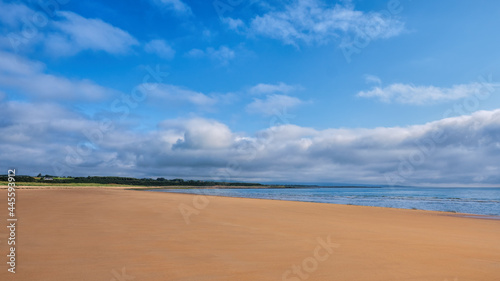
(125, 181)
(18, 178)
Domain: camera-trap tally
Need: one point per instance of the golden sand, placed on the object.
(117, 235)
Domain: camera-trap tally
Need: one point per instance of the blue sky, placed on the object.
(271, 91)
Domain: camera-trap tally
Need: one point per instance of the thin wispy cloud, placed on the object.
(234, 24)
(172, 93)
(61, 33)
(29, 79)
(178, 6)
(12, 14)
(222, 54)
(372, 79)
(421, 95)
(280, 87)
(315, 22)
(273, 104)
(161, 48)
(77, 33)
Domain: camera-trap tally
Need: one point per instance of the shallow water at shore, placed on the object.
(480, 201)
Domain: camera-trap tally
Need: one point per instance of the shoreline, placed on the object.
(449, 213)
(177, 190)
(175, 187)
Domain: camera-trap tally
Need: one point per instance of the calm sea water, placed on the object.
(481, 201)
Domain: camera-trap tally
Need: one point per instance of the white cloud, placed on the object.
(175, 5)
(168, 92)
(61, 33)
(372, 79)
(160, 48)
(454, 151)
(12, 14)
(76, 33)
(234, 24)
(272, 88)
(17, 65)
(411, 94)
(28, 77)
(199, 133)
(195, 53)
(223, 54)
(17, 31)
(313, 22)
(273, 104)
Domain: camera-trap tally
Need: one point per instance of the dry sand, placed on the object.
(118, 235)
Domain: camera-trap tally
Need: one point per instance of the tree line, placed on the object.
(124, 181)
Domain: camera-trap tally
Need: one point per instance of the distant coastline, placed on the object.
(156, 183)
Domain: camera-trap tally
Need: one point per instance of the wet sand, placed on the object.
(118, 235)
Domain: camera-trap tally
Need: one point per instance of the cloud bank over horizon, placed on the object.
(49, 139)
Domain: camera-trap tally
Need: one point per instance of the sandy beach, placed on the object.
(117, 235)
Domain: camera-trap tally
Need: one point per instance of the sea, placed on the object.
(478, 201)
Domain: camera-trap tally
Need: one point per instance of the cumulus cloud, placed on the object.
(29, 79)
(273, 104)
(47, 138)
(200, 133)
(77, 33)
(314, 22)
(160, 48)
(419, 95)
